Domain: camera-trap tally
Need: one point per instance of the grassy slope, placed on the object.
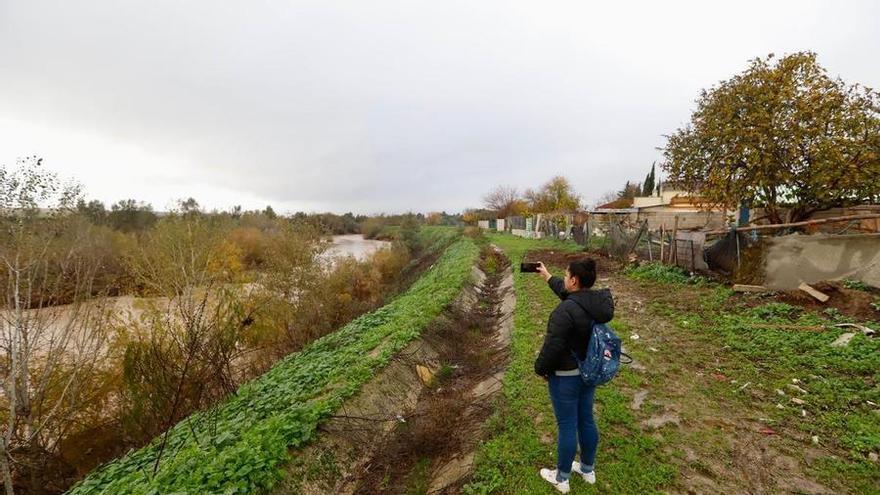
(523, 431)
(239, 446)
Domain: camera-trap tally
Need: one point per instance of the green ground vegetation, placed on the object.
(240, 445)
(658, 272)
(736, 371)
(522, 432)
(776, 360)
(798, 381)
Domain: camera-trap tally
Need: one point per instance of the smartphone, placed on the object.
(529, 267)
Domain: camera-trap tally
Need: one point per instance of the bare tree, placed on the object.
(606, 198)
(48, 353)
(505, 200)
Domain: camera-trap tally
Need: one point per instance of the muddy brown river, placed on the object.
(354, 245)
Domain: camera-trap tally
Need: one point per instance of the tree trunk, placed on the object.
(36, 470)
(4, 468)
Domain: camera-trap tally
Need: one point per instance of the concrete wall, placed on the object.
(665, 216)
(793, 259)
(688, 219)
(664, 198)
(644, 201)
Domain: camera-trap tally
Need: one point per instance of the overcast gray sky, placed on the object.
(378, 105)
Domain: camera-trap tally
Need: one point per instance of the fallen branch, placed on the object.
(749, 288)
(809, 328)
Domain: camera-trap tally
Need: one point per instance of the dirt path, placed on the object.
(717, 443)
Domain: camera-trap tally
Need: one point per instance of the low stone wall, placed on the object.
(528, 234)
(793, 259)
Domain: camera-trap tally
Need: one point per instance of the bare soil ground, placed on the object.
(562, 258)
(850, 302)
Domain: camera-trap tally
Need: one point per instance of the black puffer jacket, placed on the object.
(569, 328)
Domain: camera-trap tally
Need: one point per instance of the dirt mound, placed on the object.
(849, 302)
(549, 257)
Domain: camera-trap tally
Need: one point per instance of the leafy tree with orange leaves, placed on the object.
(555, 196)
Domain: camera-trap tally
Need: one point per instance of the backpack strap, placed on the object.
(589, 330)
(622, 354)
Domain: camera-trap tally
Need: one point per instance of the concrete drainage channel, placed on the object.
(414, 427)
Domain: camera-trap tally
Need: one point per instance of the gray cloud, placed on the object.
(383, 105)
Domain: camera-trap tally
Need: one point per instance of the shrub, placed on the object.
(251, 241)
(855, 284)
(180, 354)
(473, 232)
(390, 261)
(372, 227)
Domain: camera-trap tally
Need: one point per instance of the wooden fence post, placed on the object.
(662, 261)
(587, 233)
(673, 248)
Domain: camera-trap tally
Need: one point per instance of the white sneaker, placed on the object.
(588, 477)
(550, 476)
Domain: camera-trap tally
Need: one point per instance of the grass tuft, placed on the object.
(658, 272)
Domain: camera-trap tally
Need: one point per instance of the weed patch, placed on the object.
(855, 285)
(658, 272)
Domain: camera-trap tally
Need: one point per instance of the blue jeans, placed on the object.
(573, 406)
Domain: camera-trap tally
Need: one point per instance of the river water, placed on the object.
(354, 245)
(130, 308)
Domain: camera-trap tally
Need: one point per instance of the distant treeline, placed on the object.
(130, 215)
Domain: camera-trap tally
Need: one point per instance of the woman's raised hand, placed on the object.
(542, 270)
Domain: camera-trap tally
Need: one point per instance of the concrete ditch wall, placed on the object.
(793, 259)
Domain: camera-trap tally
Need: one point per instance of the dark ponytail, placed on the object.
(585, 271)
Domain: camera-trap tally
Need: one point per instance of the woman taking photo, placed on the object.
(568, 332)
